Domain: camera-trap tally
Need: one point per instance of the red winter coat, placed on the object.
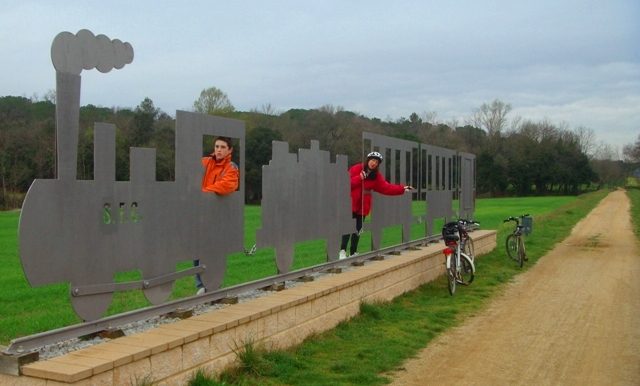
(379, 184)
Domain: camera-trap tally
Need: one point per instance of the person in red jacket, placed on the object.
(366, 177)
(221, 176)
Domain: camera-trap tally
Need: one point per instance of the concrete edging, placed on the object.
(171, 353)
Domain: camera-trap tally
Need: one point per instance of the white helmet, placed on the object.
(375, 154)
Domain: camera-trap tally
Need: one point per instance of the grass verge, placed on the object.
(365, 349)
(634, 195)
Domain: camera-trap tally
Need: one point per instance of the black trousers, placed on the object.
(355, 237)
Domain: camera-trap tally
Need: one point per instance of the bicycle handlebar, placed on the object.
(516, 219)
(464, 223)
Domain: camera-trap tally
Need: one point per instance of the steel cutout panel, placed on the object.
(86, 231)
(391, 210)
(304, 197)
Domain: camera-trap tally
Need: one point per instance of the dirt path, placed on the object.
(572, 319)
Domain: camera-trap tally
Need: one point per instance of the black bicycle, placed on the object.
(515, 241)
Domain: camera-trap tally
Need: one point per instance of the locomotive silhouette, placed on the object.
(85, 231)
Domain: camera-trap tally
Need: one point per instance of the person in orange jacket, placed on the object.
(366, 177)
(221, 176)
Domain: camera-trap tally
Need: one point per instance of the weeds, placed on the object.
(250, 362)
(203, 378)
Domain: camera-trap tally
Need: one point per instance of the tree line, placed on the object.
(518, 158)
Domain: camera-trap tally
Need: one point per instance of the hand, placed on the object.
(363, 175)
(408, 188)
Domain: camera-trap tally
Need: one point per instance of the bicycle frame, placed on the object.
(514, 242)
(518, 230)
(460, 267)
(457, 252)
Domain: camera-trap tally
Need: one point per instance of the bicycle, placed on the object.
(515, 242)
(459, 254)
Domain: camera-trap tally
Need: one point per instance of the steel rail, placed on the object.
(31, 343)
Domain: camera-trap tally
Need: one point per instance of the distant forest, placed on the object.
(524, 158)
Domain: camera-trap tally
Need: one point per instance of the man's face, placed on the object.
(373, 163)
(221, 150)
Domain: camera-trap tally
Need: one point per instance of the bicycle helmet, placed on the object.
(376, 155)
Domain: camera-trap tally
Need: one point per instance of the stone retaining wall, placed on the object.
(171, 353)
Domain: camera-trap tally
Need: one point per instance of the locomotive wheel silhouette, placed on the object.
(91, 307)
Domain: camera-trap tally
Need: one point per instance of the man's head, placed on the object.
(222, 147)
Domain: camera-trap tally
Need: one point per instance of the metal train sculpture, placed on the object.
(86, 231)
(304, 197)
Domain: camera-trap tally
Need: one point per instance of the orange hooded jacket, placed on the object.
(221, 177)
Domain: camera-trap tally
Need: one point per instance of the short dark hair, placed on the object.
(226, 140)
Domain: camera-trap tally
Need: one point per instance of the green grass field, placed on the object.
(25, 310)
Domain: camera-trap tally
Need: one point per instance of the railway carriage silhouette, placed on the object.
(305, 197)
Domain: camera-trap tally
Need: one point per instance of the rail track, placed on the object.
(32, 343)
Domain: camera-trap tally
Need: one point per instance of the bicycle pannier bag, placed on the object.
(450, 231)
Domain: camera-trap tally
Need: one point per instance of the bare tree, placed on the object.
(50, 96)
(516, 122)
(632, 152)
(604, 151)
(548, 130)
(607, 165)
(213, 101)
(453, 123)
(586, 140)
(491, 117)
(266, 109)
(331, 109)
(430, 117)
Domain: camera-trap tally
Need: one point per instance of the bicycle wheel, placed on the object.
(512, 247)
(521, 253)
(451, 273)
(466, 270)
(468, 248)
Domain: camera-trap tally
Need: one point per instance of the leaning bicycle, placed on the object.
(515, 241)
(459, 257)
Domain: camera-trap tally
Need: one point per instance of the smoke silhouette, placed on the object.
(72, 53)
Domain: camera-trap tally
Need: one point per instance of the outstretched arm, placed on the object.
(383, 187)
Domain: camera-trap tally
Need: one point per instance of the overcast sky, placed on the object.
(574, 63)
